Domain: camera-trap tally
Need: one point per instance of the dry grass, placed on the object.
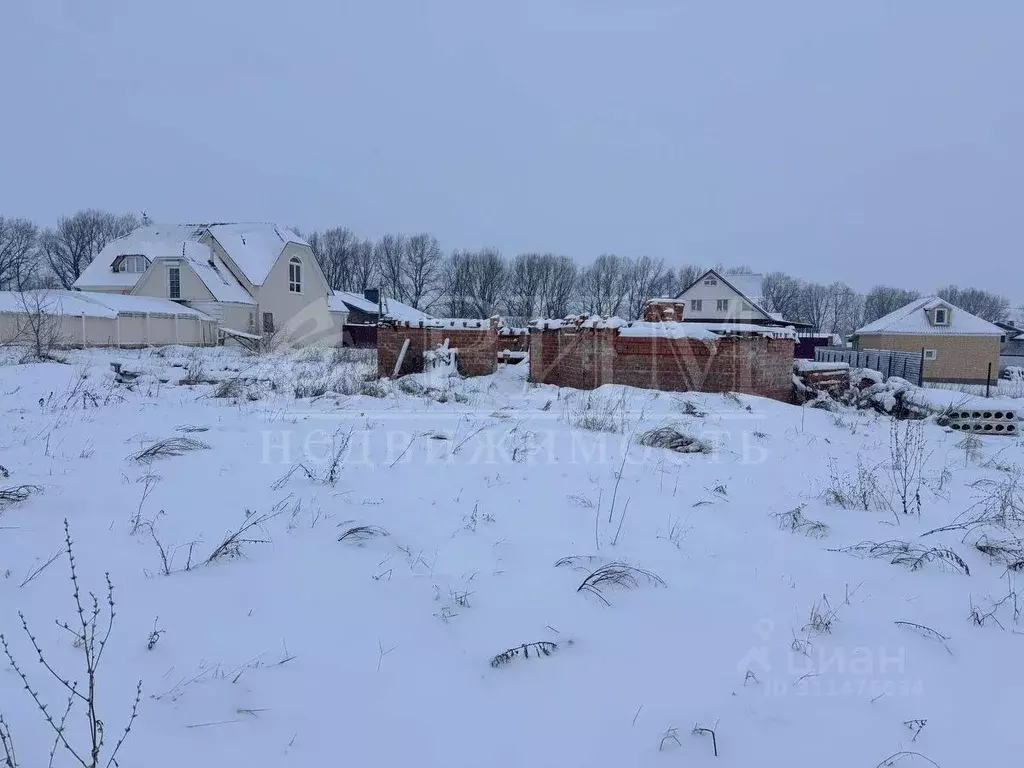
(672, 439)
(172, 446)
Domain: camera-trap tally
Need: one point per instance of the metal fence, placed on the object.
(888, 362)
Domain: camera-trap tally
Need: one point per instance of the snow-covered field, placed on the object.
(362, 614)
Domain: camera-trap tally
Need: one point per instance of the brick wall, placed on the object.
(477, 347)
(586, 358)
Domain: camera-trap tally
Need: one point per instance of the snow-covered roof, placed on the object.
(153, 242)
(912, 319)
(109, 305)
(393, 308)
(254, 247)
(213, 273)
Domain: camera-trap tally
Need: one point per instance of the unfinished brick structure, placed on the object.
(588, 357)
(478, 342)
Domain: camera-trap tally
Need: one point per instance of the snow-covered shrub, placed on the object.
(597, 413)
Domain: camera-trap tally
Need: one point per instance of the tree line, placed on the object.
(416, 270)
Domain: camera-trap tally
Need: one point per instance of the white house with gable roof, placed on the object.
(717, 297)
(255, 279)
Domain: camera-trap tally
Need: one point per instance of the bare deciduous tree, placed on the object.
(37, 324)
(781, 293)
(604, 286)
(365, 267)
(335, 249)
(389, 251)
(77, 239)
(988, 306)
(647, 278)
(18, 253)
(883, 299)
(475, 282)
(422, 263)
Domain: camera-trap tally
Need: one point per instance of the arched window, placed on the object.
(295, 275)
(133, 263)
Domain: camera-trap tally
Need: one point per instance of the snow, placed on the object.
(254, 247)
(95, 304)
(154, 241)
(804, 366)
(307, 650)
(667, 330)
(215, 275)
(912, 319)
(393, 308)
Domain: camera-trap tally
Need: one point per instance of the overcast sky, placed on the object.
(864, 141)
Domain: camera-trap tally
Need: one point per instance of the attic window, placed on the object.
(941, 316)
(710, 281)
(295, 275)
(134, 263)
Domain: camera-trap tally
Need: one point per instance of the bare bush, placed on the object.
(361, 533)
(794, 520)
(172, 446)
(822, 617)
(539, 648)
(37, 324)
(859, 490)
(16, 494)
(910, 555)
(232, 545)
(597, 413)
(907, 454)
(90, 637)
(617, 575)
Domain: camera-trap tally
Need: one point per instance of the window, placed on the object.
(696, 304)
(268, 322)
(942, 316)
(174, 282)
(295, 275)
(723, 305)
(252, 322)
(711, 281)
(931, 354)
(135, 264)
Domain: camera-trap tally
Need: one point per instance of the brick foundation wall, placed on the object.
(586, 358)
(477, 348)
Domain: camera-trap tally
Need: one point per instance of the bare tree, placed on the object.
(18, 252)
(421, 273)
(647, 279)
(37, 324)
(527, 276)
(604, 286)
(560, 286)
(781, 293)
(988, 306)
(883, 299)
(77, 239)
(389, 252)
(335, 249)
(816, 304)
(365, 267)
(456, 282)
(479, 277)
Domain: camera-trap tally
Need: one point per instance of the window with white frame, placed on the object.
(295, 275)
(710, 281)
(723, 305)
(135, 264)
(942, 316)
(174, 282)
(696, 305)
(931, 354)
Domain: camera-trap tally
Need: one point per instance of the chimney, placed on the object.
(372, 295)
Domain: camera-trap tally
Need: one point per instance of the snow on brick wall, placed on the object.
(588, 358)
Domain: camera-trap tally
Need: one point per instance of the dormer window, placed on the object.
(131, 263)
(941, 316)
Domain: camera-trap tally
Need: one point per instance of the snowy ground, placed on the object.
(297, 648)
